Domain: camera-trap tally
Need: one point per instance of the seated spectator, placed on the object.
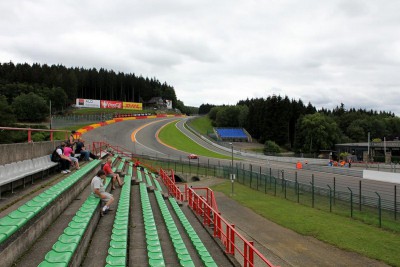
(137, 163)
(81, 149)
(58, 156)
(109, 173)
(97, 187)
(71, 139)
(68, 153)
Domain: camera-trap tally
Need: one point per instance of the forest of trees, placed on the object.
(26, 91)
(62, 85)
(303, 128)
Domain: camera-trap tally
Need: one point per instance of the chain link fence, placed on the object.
(372, 203)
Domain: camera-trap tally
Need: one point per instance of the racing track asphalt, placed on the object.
(120, 134)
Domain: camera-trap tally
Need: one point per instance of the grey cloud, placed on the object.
(336, 51)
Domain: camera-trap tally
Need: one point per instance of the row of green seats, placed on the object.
(158, 186)
(154, 252)
(16, 219)
(121, 165)
(148, 180)
(117, 253)
(63, 250)
(139, 175)
(179, 245)
(198, 244)
(130, 169)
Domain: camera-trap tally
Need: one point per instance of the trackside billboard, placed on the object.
(132, 105)
(110, 104)
(92, 103)
(87, 103)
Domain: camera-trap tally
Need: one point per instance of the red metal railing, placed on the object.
(30, 130)
(173, 189)
(97, 147)
(206, 207)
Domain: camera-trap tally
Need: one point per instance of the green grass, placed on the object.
(202, 125)
(341, 232)
(171, 136)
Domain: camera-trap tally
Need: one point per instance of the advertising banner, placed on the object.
(87, 103)
(132, 105)
(168, 103)
(111, 104)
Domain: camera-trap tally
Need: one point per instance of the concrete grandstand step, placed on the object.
(72, 243)
(37, 252)
(42, 213)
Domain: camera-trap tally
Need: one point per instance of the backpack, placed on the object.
(54, 156)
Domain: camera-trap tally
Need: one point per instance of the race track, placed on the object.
(120, 134)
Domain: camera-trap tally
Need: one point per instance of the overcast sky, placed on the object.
(221, 51)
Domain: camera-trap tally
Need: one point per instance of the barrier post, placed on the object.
(245, 254)
(312, 190)
(395, 202)
(232, 243)
(228, 239)
(270, 177)
(251, 253)
(251, 174)
(351, 202)
(29, 135)
(379, 209)
(265, 184)
(359, 195)
(330, 198)
(298, 193)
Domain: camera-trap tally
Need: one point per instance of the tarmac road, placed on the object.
(284, 246)
(120, 134)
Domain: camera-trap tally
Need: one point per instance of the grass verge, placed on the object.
(171, 136)
(202, 125)
(343, 233)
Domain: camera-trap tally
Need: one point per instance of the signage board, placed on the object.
(132, 105)
(87, 103)
(110, 104)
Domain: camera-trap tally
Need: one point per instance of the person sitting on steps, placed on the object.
(68, 152)
(85, 153)
(109, 173)
(97, 187)
(58, 156)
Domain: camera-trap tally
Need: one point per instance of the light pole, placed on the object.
(369, 136)
(232, 155)
(232, 173)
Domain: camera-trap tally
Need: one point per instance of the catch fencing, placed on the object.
(372, 202)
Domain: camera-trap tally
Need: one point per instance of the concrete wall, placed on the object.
(20, 151)
(382, 176)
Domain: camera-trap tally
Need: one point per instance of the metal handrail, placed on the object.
(30, 130)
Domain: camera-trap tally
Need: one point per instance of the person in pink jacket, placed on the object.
(67, 152)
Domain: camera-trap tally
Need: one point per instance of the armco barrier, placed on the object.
(234, 243)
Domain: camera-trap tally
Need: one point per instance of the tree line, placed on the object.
(62, 85)
(302, 128)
